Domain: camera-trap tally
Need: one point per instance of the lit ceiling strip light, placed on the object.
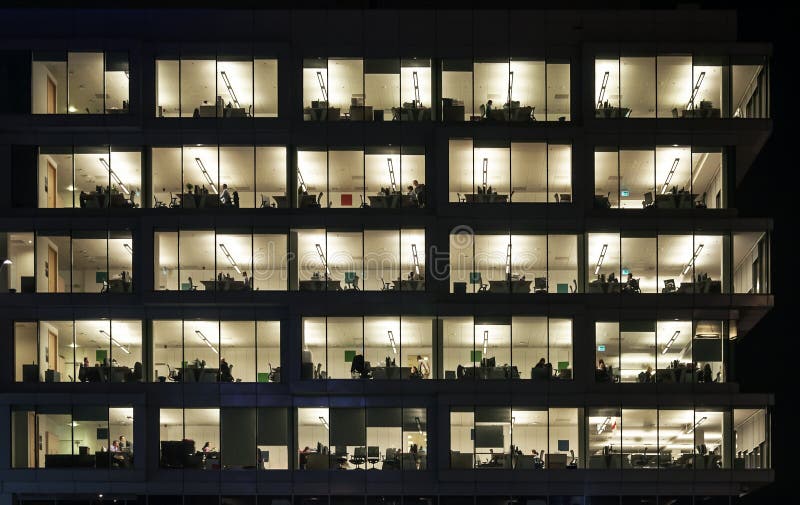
(303, 187)
(510, 86)
(208, 342)
(602, 90)
(322, 259)
(104, 332)
(698, 423)
(128, 248)
(230, 258)
(322, 419)
(485, 341)
(696, 89)
(419, 425)
(671, 341)
(485, 171)
(508, 259)
(322, 87)
(205, 174)
(669, 175)
(600, 259)
(416, 89)
(391, 174)
(415, 257)
(691, 261)
(114, 176)
(602, 426)
(391, 341)
(230, 89)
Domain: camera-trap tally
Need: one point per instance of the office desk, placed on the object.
(117, 373)
(515, 114)
(69, 461)
(95, 200)
(281, 201)
(316, 461)
(612, 112)
(409, 285)
(392, 201)
(681, 200)
(700, 112)
(411, 113)
(361, 113)
(192, 201)
(461, 461)
(234, 112)
(307, 201)
(320, 285)
(485, 198)
(324, 113)
(391, 373)
(119, 286)
(603, 287)
(514, 286)
(207, 111)
(453, 112)
(709, 286)
(198, 374)
(225, 285)
(601, 202)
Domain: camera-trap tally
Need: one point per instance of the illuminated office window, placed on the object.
(751, 262)
(751, 430)
(332, 87)
(190, 438)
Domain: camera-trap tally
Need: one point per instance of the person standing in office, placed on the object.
(225, 196)
(488, 114)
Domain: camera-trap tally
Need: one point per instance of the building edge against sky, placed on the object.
(489, 257)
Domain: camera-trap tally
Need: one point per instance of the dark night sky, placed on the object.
(763, 363)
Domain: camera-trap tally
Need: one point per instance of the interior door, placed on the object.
(52, 342)
(51, 96)
(52, 184)
(52, 274)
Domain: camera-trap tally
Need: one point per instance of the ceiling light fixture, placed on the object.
(602, 426)
(485, 341)
(230, 89)
(669, 175)
(694, 258)
(600, 259)
(695, 90)
(602, 90)
(671, 341)
(230, 258)
(510, 86)
(698, 423)
(323, 260)
(485, 171)
(415, 258)
(125, 350)
(391, 341)
(417, 100)
(322, 88)
(114, 176)
(205, 174)
(508, 259)
(391, 174)
(207, 341)
(128, 248)
(303, 187)
(419, 425)
(322, 419)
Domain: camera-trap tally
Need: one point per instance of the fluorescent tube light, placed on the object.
(128, 248)
(602, 90)
(230, 89)
(669, 175)
(208, 342)
(230, 258)
(415, 258)
(322, 88)
(485, 171)
(600, 259)
(392, 342)
(671, 341)
(696, 89)
(322, 259)
(104, 332)
(485, 341)
(391, 174)
(691, 261)
(322, 419)
(205, 174)
(114, 176)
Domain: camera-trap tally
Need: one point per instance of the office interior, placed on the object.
(77, 82)
(482, 262)
(355, 89)
(358, 177)
(17, 267)
(80, 262)
(664, 177)
(676, 263)
(490, 171)
(369, 260)
(216, 260)
(663, 351)
(676, 438)
(519, 89)
(377, 348)
(216, 351)
(347, 438)
(518, 438)
(502, 347)
(90, 177)
(680, 86)
(63, 436)
(196, 176)
(94, 350)
(216, 86)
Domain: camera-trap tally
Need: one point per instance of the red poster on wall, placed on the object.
(347, 200)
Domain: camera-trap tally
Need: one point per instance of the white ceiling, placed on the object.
(176, 333)
(194, 417)
(529, 253)
(350, 331)
(523, 331)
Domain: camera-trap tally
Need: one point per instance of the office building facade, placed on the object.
(407, 256)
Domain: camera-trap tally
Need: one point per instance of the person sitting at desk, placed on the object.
(114, 447)
(612, 279)
(647, 376)
(207, 447)
(601, 366)
(422, 366)
(541, 363)
(705, 375)
(304, 457)
(488, 111)
(414, 373)
(410, 190)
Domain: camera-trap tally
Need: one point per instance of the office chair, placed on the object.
(556, 197)
(105, 287)
(648, 199)
(385, 285)
(192, 286)
(475, 278)
(351, 280)
(264, 202)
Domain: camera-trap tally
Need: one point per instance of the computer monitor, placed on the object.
(563, 445)
(490, 362)
(373, 451)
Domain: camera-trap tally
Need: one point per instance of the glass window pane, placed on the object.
(167, 176)
(529, 174)
(461, 169)
(345, 348)
(416, 347)
(196, 260)
(563, 438)
(313, 425)
(562, 263)
(49, 84)
(751, 262)
(491, 173)
(492, 88)
(92, 177)
(753, 450)
(415, 89)
(269, 262)
(86, 86)
(55, 426)
(637, 173)
(638, 265)
(606, 178)
(235, 86)
(236, 171)
(266, 87)
(492, 355)
(462, 439)
(529, 436)
(201, 351)
(382, 87)
(708, 349)
(314, 362)
(606, 77)
(638, 85)
(268, 351)
(168, 355)
(234, 262)
(558, 92)
(126, 351)
(526, 90)
(640, 448)
(56, 184)
(457, 90)
(604, 434)
(637, 351)
(708, 75)
(382, 265)
(529, 346)
(272, 438)
(603, 263)
(674, 352)
(237, 351)
(117, 74)
(271, 188)
(166, 262)
(346, 178)
(675, 438)
(674, 85)
(200, 177)
(560, 348)
(198, 90)
(26, 350)
(459, 347)
(606, 338)
(167, 88)
(382, 348)
(345, 85)
(559, 172)
(675, 259)
(492, 437)
(312, 177)
(749, 91)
